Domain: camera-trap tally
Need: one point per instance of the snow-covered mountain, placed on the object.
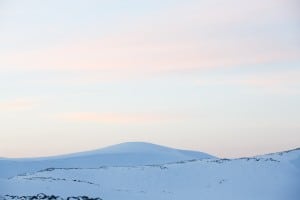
(125, 154)
(147, 171)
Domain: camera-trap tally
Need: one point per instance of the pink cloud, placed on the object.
(197, 39)
(118, 118)
(126, 57)
(17, 105)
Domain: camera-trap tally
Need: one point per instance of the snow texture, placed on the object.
(147, 171)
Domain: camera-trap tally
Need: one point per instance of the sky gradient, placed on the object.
(217, 76)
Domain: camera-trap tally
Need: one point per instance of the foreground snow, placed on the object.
(274, 176)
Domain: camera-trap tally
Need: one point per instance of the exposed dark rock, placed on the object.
(47, 197)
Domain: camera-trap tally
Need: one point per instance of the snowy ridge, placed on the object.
(267, 177)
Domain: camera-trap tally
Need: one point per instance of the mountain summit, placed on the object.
(143, 149)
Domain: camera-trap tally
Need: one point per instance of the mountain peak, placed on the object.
(123, 154)
(135, 147)
(143, 149)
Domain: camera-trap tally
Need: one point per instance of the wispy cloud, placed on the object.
(275, 83)
(20, 104)
(204, 35)
(119, 118)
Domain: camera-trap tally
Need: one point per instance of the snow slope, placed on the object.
(125, 154)
(268, 177)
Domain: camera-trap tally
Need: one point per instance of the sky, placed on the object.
(222, 77)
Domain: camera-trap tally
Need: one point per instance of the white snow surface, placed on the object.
(169, 174)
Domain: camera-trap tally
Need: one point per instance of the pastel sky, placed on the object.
(217, 76)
